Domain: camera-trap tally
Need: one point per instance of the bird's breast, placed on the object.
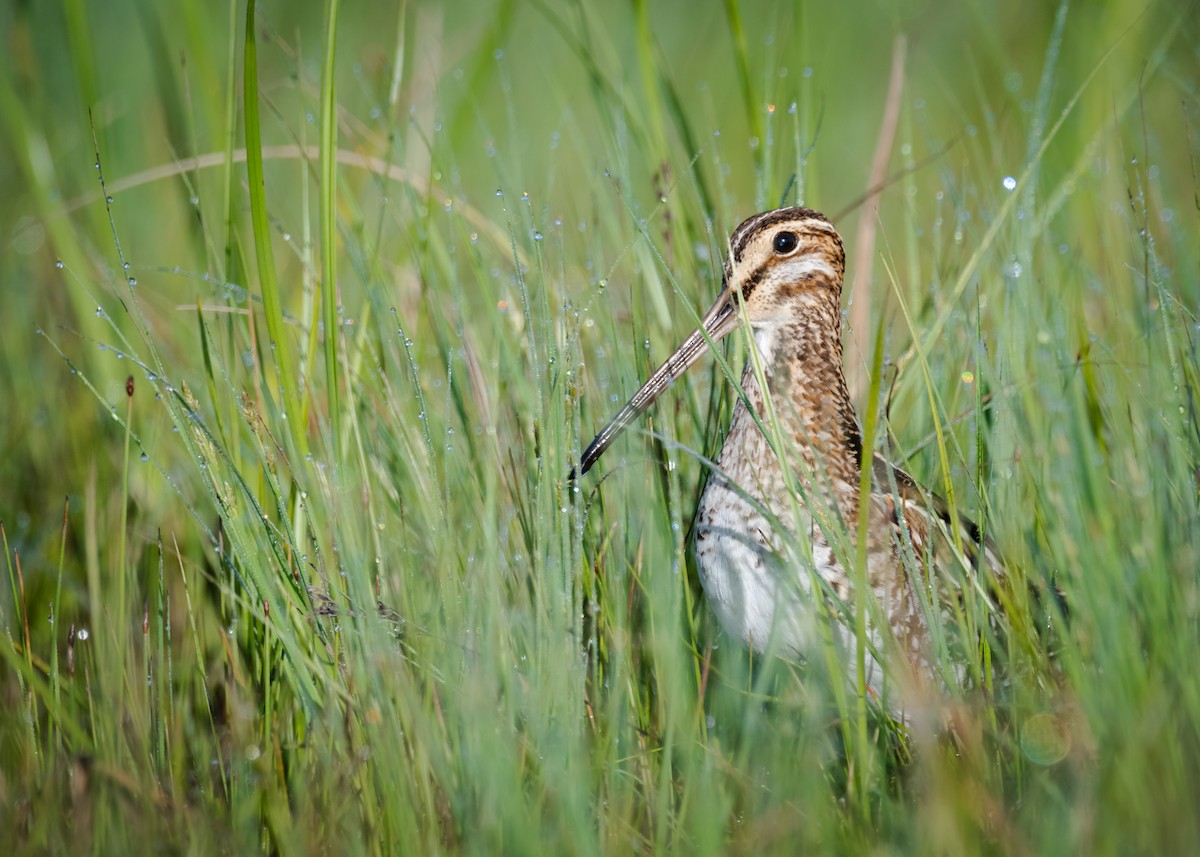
(757, 596)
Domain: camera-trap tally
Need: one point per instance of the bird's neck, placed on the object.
(802, 361)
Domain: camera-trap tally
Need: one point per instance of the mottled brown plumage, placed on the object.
(765, 559)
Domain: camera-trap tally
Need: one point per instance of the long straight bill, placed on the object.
(717, 323)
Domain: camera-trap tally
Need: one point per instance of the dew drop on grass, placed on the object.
(58, 263)
(1009, 183)
(83, 634)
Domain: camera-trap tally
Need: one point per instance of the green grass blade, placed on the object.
(328, 209)
(279, 350)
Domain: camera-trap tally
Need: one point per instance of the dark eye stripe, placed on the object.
(753, 280)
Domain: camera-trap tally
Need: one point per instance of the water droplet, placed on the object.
(499, 192)
(537, 236)
(1009, 183)
(58, 263)
(968, 377)
(84, 633)
(133, 281)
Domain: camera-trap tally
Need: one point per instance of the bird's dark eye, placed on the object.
(785, 242)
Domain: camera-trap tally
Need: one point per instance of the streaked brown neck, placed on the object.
(809, 393)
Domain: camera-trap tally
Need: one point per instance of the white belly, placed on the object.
(758, 596)
(761, 591)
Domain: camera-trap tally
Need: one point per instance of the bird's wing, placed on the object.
(890, 480)
(931, 513)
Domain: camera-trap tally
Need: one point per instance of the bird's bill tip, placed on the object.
(716, 324)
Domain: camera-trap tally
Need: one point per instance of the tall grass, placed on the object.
(363, 609)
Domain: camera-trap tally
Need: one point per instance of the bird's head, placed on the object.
(782, 266)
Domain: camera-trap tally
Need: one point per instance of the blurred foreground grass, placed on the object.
(269, 617)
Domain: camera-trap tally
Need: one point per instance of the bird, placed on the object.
(776, 532)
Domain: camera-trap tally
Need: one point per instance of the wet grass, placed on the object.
(319, 581)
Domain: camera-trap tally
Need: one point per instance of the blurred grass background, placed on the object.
(312, 592)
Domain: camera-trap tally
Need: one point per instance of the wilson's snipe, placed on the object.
(784, 277)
